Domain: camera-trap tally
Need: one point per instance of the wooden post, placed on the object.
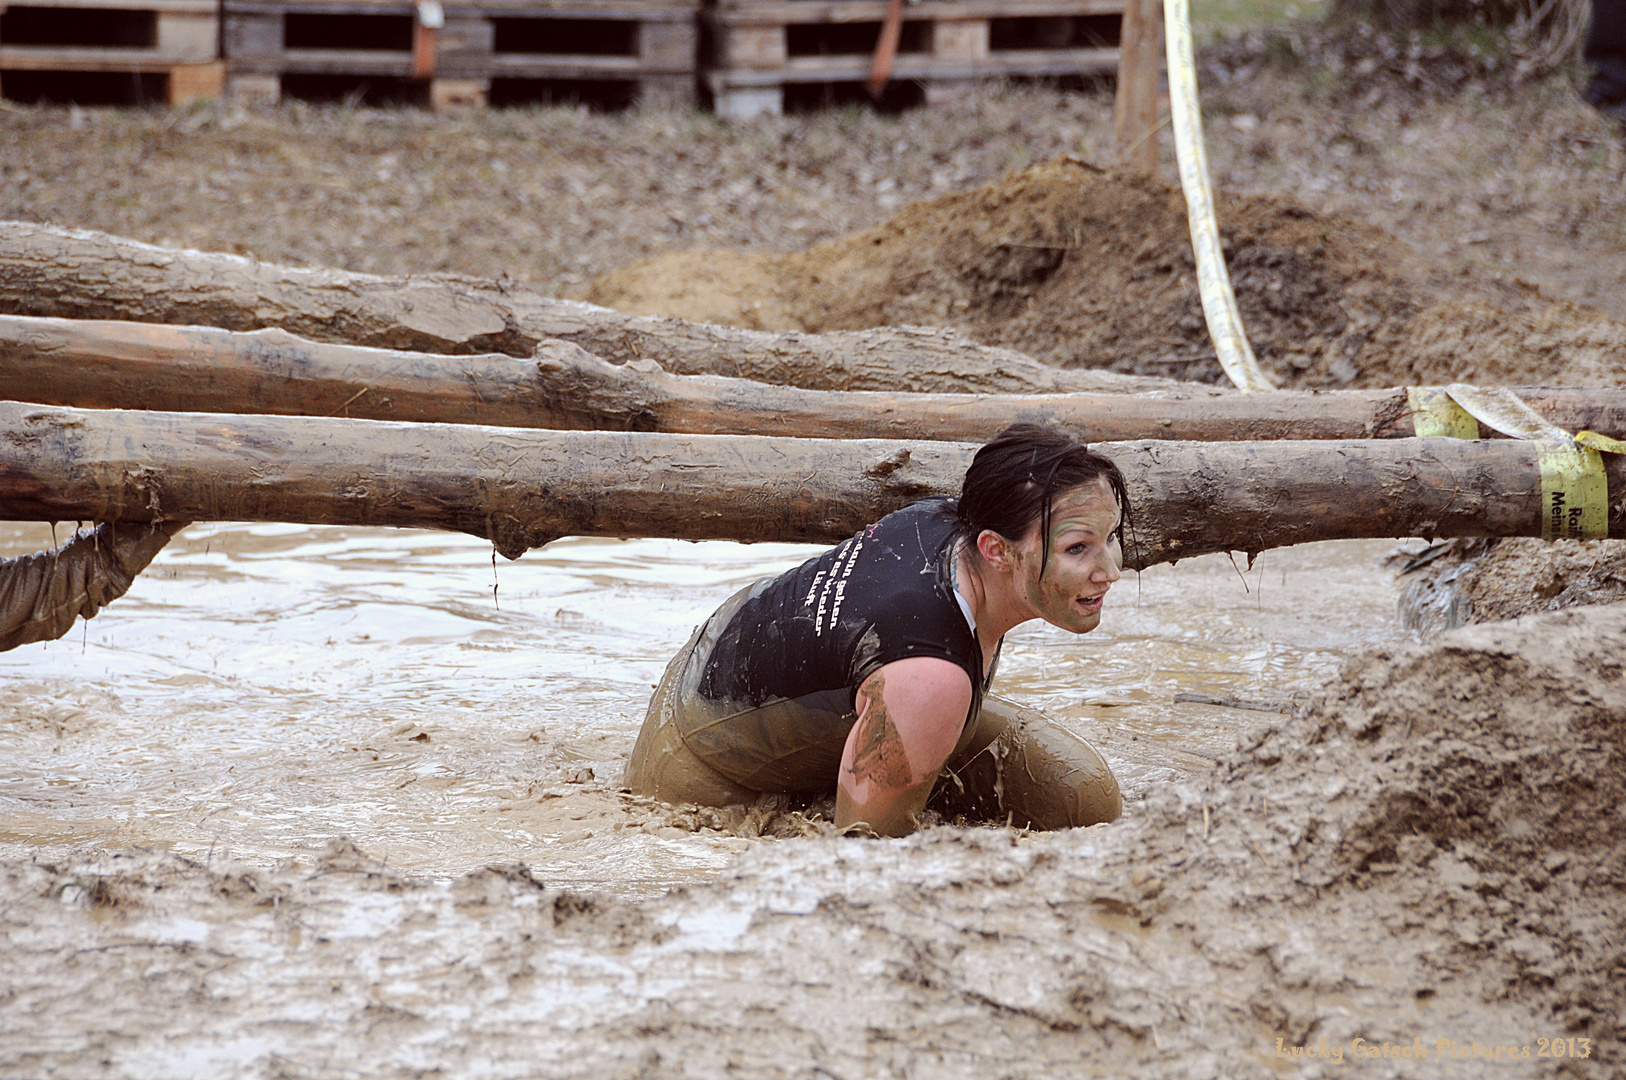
(1134, 110)
(521, 489)
(125, 365)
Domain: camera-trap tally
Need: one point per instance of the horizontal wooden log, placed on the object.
(78, 274)
(96, 364)
(522, 489)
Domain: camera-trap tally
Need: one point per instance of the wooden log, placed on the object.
(96, 364)
(522, 489)
(74, 273)
(1134, 108)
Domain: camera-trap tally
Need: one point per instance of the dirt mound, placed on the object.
(1539, 342)
(1488, 791)
(1460, 582)
(1082, 267)
(1428, 857)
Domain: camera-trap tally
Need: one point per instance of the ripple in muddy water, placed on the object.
(265, 688)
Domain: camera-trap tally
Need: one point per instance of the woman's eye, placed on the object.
(1078, 549)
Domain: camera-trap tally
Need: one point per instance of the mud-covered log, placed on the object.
(99, 364)
(78, 274)
(524, 488)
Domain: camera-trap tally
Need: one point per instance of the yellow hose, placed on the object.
(1213, 282)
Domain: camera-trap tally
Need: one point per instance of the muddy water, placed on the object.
(263, 689)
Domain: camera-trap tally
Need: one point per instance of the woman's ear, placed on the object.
(995, 550)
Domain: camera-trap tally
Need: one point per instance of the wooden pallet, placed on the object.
(177, 40)
(650, 46)
(758, 48)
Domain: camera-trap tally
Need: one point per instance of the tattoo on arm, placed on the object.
(878, 754)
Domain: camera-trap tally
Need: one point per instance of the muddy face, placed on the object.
(1068, 588)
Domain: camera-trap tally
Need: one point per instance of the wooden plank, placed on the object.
(745, 103)
(458, 93)
(960, 39)
(639, 10)
(202, 7)
(533, 66)
(189, 37)
(751, 46)
(668, 46)
(466, 46)
(797, 12)
(1036, 62)
(253, 87)
(186, 35)
(1134, 108)
(317, 7)
(251, 34)
(634, 10)
(190, 83)
(378, 62)
(20, 58)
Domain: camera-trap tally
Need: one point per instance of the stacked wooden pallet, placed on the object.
(470, 52)
(759, 49)
(52, 49)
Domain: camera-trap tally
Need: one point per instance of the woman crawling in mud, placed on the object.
(866, 669)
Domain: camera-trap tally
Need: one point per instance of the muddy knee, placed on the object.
(1031, 773)
(1053, 779)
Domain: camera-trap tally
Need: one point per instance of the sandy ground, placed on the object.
(1398, 870)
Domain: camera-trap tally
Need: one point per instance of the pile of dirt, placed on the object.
(1083, 267)
(1461, 582)
(1428, 858)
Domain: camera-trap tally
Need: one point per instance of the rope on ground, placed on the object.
(1213, 281)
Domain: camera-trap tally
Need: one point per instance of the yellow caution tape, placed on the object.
(1574, 492)
(1435, 415)
(1574, 487)
(1213, 282)
(1600, 442)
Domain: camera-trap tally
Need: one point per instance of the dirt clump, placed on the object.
(1084, 267)
(1461, 582)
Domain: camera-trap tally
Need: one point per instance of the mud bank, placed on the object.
(1398, 863)
(1083, 267)
(1460, 582)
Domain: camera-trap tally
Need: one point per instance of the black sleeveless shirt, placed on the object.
(827, 625)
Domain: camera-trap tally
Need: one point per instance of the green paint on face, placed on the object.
(1085, 559)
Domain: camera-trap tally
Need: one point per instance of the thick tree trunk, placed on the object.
(522, 489)
(95, 364)
(77, 274)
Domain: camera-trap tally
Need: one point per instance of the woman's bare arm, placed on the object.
(910, 714)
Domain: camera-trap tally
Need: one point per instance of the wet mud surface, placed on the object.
(264, 689)
(1396, 863)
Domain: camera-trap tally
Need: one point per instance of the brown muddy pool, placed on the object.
(264, 689)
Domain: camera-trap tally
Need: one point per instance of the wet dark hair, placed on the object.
(1014, 479)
